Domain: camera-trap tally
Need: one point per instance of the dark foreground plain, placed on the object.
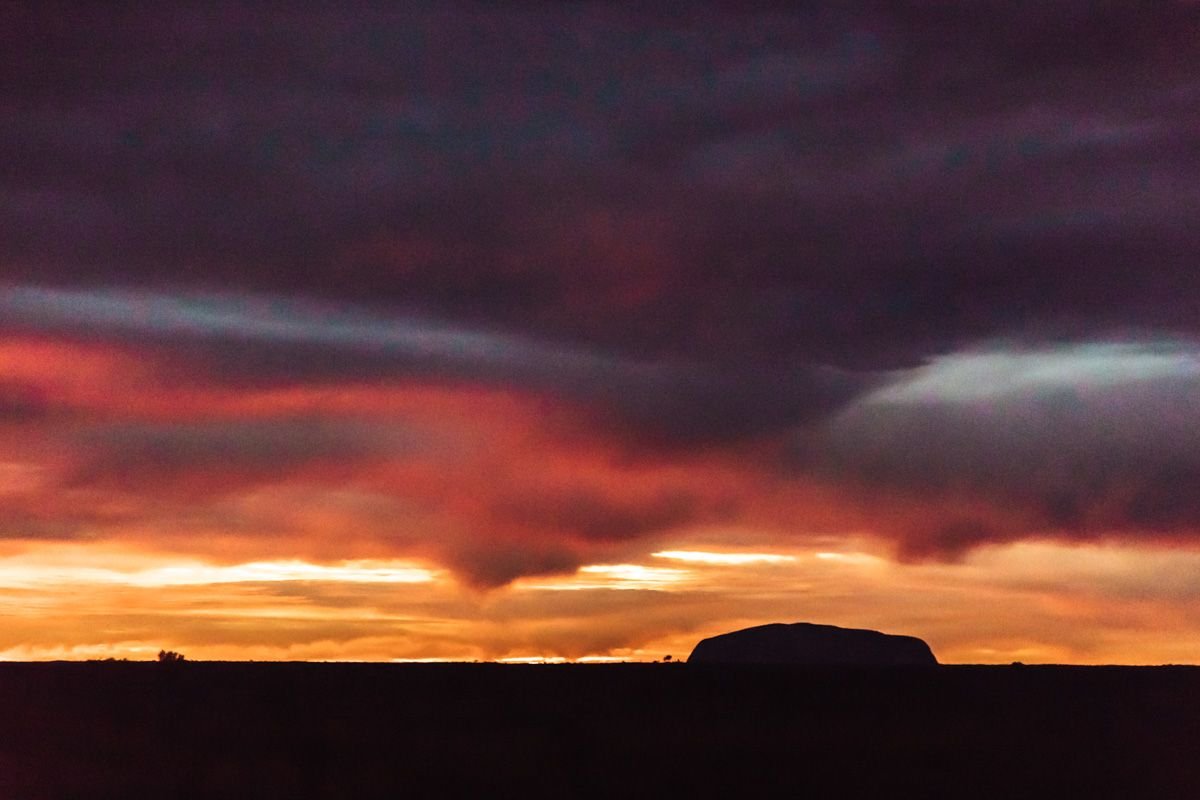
(94, 730)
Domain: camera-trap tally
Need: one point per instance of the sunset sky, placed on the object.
(574, 331)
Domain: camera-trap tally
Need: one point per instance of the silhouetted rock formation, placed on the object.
(814, 645)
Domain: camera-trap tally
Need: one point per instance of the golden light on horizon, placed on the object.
(621, 577)
(847, 558)
(723, 559)
(203, 574)
(1033, 602)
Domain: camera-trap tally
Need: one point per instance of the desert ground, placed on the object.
(283, 730)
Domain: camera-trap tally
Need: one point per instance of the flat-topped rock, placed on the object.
(804, 643)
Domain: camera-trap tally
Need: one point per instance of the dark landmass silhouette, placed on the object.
(808, 644)
(232, 730)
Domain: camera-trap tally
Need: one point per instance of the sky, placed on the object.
(572, 330)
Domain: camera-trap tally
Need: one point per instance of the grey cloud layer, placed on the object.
(1084, 442)
(862, 185)
(256, 338)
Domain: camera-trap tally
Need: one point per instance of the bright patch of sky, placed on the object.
(613, 576)
(723, 559)
(199, 574)
(969, 377)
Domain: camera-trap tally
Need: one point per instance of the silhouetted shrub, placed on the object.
(170, 657)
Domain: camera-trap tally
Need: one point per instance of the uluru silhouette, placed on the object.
(805, 643)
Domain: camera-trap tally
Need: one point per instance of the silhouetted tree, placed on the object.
(170, 657)
(667, 659)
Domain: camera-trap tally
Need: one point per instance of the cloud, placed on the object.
(861, 186)
(591, 516)
(1083, 442)
(268, 339)
(492, 565)
(20, 403)
(273, 321)
(231, 454)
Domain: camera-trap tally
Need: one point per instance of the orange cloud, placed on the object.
(362, 520)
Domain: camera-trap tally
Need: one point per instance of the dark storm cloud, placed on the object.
(487, 565)
(863, 184)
